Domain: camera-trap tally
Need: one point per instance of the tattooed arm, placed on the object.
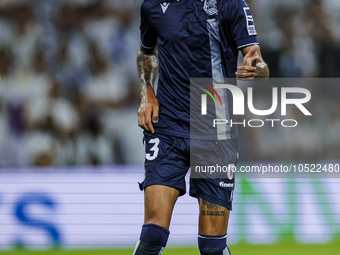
(147, 65)
(253, 65)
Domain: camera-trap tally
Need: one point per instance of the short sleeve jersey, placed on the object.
(194, 39)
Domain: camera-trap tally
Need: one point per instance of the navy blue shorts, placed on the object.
(168, 159)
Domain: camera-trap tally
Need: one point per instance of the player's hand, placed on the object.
(247, 71)
(148, 110)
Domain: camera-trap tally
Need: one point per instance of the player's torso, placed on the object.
(184, 36)
(193, 41)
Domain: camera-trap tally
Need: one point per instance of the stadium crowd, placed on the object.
(69, 89)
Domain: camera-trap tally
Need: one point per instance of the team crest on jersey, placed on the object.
(210, 7)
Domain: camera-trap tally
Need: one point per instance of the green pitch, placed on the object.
(240, 249)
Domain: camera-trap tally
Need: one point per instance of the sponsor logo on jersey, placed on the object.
(226, 185)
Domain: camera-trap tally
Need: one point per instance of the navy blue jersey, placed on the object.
(195, 39)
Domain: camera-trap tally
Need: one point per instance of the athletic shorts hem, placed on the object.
(145, 184)
(214, 200)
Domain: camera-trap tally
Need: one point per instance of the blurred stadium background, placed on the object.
(71, 152)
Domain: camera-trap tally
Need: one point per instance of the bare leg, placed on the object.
(212, 229)
(213, 218)
(159, 202)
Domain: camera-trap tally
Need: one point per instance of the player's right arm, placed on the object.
(147, 64)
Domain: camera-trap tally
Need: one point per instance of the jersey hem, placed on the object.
(230, 135)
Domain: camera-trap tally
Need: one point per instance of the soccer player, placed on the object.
(183, 39)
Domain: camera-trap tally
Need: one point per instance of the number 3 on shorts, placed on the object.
(153, 149)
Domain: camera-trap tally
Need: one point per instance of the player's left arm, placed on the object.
(253, 65)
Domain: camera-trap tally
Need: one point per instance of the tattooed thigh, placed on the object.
(210, 209)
